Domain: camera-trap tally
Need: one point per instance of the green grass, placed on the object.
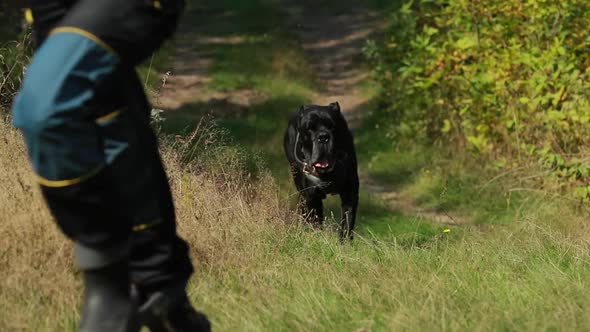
(522, 279)
(443, 178)
(377, 220)
(437, 181)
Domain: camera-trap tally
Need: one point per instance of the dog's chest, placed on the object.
(324, 184)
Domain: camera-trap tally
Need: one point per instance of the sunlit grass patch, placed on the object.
(271, 63)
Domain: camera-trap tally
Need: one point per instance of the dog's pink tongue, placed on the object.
(321, 164)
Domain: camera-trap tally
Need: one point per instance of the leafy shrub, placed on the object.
(503, 78)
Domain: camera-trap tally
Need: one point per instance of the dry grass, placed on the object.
(220, 214)
(38, 279)
(14, 55)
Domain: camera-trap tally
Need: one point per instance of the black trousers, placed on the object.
(125, 210)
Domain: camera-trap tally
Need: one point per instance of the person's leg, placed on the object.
(58, 115)
(159, 258)
(160, 264)
(106, 120)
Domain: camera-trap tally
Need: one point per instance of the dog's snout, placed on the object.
(323, 138)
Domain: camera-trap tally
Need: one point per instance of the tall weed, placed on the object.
(14, 56)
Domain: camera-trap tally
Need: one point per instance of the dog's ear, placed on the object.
(302, 110)
(299, 116)
(305, 108)
(335, 107)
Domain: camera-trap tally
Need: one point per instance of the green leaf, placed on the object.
(407, 7)
(446, 126)
(430, 31)
(466, 42)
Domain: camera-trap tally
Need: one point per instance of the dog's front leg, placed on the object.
(349, 207)
(314, 210)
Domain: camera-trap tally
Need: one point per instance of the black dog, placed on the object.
(320, 149)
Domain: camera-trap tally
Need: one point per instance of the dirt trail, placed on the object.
(333, 43)
(190, 64)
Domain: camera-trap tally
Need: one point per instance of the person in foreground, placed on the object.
(85, 119)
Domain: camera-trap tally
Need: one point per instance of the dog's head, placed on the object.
(322, 132)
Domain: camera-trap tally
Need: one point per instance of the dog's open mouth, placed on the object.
(320, 167)
(323, 164)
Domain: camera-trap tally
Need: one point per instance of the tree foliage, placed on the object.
(507, 79)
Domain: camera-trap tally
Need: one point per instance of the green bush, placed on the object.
(506, 79)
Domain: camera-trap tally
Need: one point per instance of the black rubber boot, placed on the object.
(171, 311)
(107, 301)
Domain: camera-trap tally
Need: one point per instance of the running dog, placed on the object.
(320, 149)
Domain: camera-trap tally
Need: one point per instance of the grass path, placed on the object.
(191, 60)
